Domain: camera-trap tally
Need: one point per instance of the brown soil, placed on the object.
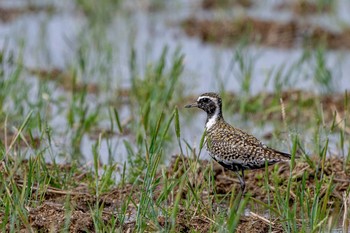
(267, 33)
(304, 7)
(65, 80)
(256, 225)
(26, 139)
(50, 215)
(9, 14)
(209, 4)
(227, 182)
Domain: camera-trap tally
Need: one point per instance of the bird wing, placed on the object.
(238, 148)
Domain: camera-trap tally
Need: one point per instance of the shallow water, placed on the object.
(51, 40)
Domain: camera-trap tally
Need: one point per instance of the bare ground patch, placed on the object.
(227, 182)
(52, 214)
(66, 80)
(264, 32)
(304, 7)
(210, 4)
(9, 14)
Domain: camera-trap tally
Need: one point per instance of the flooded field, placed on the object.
(95, 137)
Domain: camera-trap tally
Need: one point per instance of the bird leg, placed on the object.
(241, 180)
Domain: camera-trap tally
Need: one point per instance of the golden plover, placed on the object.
(233, 148)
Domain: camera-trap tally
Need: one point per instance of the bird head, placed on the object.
(209, 102)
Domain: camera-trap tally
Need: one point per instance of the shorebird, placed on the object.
(231, 147)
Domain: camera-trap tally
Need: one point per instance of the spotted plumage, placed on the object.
(233, 148)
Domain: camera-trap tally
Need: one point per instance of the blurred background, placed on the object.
(89, 76)
(93, 127)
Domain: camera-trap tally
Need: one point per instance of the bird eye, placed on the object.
(205, 100)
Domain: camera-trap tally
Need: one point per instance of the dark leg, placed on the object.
(241, 194)
(241, 180)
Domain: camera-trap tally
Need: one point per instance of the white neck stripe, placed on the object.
(212, 120)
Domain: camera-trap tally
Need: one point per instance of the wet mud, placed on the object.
(65, 80)
(266, 33)
(10, 14)
(210, 4)
(304, 8)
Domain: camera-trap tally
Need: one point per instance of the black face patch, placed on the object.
(204, 100)
(208, 105)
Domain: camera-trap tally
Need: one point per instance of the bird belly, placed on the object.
(229, 166)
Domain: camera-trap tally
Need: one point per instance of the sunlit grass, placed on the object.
(158, 197)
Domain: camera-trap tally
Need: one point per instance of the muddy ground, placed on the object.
(265, 32)
(297, 32)
(8, 14)
(49, 214)
(302, 8)
(210, 4)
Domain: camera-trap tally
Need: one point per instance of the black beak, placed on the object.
(193, 105)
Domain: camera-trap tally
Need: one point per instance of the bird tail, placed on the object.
(287, 156)
(283, 156)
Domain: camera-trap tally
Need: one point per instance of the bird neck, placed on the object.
(213, 118)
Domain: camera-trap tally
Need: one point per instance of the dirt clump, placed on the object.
(52, 217)
(244, 29)
(304, 7)
(9, 14)
(210, 4)
(226, 181)
(253, 224)
(65, 80)
(264, 32)
(73, 209)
